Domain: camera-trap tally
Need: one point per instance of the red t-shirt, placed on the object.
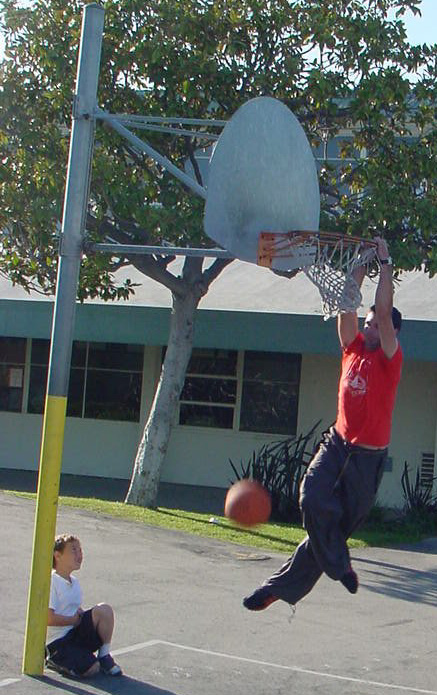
(367, 393)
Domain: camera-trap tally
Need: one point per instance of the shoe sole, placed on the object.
(266, 603)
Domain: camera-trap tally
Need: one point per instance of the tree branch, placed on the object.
(194, 162)
(153, 266)
(214, 270)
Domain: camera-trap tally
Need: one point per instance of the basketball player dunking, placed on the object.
(341, 482)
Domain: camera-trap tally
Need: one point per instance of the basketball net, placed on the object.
(328, 259)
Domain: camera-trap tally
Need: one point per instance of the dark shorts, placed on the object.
(75, 651)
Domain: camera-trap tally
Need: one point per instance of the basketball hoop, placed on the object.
(328, 259)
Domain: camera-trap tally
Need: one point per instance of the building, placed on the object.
(265, 365)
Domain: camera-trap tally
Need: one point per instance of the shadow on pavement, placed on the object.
(289, 545)
(125, 685)
(194, 498)
(400, 582)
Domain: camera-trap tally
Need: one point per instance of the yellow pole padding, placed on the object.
(44, 534)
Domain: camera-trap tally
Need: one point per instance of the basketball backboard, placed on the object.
(262, 178)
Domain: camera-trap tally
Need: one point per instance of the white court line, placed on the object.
(135, 647)
(295, 669)
(9, 681)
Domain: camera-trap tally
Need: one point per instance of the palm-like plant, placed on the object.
(280, 467)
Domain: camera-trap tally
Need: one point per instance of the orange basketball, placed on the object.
(248, 503)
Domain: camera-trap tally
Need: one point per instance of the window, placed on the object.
(427, 471)
(270, 392)
(233, 390)
(267, 400)
(12, 361)
(209, 394)
(105, 380)
(39, 360)
(113, 381)
(76, 386)
(38, 375)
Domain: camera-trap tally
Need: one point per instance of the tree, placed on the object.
(342, 66)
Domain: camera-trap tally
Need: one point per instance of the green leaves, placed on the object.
(342, 66)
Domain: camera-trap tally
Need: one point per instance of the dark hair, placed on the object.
(60, 543)
(396, 317)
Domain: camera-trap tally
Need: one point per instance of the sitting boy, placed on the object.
(74, 635)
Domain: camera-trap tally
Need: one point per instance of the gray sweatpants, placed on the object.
(337, 493)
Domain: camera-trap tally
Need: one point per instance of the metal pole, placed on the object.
(75, 205)
(161, 159)
(132, 249)
(132, 118)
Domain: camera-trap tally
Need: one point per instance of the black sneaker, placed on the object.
(108, 666)
(259, 600)
(350, 581)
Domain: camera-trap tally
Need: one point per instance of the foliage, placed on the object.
(420, 503)
(377, 516)
(280, 467)
(344, 67)
(339, 65)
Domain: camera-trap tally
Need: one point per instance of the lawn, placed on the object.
(274, 537)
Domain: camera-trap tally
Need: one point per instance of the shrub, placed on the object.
(418, 498)
(280, 467)
(420, 505)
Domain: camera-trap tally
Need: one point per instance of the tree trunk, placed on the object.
(151, 452)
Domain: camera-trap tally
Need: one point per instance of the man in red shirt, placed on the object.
(341, 482)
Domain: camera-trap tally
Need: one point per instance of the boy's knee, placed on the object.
(102, 610)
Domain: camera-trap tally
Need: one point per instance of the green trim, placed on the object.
(25, 319)
(221, 329)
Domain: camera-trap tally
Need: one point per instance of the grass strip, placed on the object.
(273, 537)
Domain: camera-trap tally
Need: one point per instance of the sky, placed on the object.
(419, 29)
(423, 29)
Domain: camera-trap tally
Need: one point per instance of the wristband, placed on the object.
(386, 261)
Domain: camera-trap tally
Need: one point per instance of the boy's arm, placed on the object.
(57, 620)
(384, 303)
(347, 324)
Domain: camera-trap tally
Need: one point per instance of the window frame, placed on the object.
(237, 406)
(85, 368)
(210, 404)
(17, 364)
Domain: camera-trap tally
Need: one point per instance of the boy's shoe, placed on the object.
(108, 666)
(259, 600)
(350, 580)
(61, 669)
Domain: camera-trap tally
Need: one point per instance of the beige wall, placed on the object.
(318, 391)
(91, 447)
(414, 419)
(205, 453)
(20, 440)
(199, 456)
(414, 426)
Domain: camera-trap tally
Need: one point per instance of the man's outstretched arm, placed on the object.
(347, 324)
(384, 302)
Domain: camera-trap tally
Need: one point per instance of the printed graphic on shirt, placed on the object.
(356, 381)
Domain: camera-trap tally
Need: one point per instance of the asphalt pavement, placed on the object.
(181, 628)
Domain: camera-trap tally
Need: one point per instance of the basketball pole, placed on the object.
(70, 251)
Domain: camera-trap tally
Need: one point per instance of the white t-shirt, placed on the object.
(65, 599)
